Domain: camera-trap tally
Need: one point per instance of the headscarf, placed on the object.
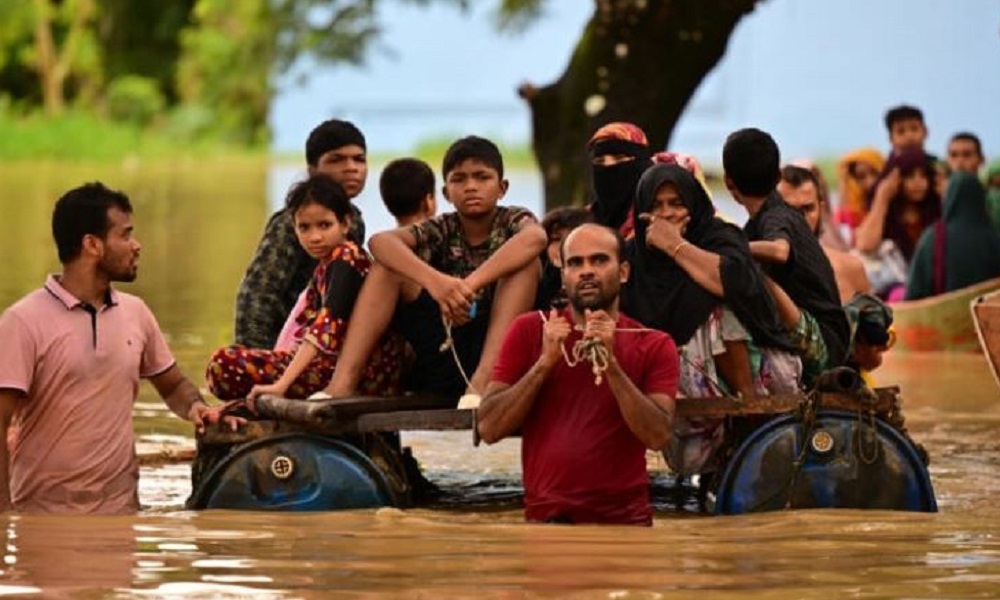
(906, 237)
(993, 193)
(614, 185)
(853, 199)
(962, 249)
(689, 162)
(661, 294)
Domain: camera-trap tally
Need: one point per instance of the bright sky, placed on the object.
(817, 75)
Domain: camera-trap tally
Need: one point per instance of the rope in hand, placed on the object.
(591, 350)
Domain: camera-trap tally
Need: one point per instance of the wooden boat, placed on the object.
(986, 316)
(842, 447)
(939, 323)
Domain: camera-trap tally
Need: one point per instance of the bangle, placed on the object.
(678, 247)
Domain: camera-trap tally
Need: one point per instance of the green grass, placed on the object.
(82, 136)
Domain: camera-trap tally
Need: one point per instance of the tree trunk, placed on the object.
(45, 47)
(638, 61)
(55, 64)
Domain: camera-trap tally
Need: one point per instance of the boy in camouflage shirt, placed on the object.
(474, 269)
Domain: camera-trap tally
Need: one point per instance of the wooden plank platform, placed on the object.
(425, 413)
(883, 402)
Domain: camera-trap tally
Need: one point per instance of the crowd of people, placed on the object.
(578, 331)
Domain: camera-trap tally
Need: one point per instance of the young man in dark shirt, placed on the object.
(280, 268)
(788, 251)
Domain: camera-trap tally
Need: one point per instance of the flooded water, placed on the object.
(199, 224)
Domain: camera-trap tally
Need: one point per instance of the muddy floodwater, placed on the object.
(198, 233)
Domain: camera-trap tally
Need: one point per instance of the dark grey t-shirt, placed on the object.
(807, 277)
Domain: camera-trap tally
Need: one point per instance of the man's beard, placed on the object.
(123, 275)
(603, 300)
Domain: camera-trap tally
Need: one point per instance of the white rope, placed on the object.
(467, 400)
(592, 350)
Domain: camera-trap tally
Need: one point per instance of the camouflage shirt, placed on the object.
(441, 242)
(279, 271)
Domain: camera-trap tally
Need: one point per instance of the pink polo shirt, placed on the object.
(80, 371)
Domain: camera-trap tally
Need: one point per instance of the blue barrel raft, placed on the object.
(840, 445)
(337, 454)
(829, 459)
(295, 472)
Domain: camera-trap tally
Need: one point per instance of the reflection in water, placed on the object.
(62, 555)
(199, 224)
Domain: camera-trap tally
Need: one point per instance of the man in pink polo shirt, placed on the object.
(71, 356)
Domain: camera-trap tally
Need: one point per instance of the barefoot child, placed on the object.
(482, 255)
(321, 211)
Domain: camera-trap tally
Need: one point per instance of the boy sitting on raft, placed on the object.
(473, 270)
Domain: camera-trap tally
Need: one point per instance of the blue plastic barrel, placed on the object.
(844, 460)
(295, 472)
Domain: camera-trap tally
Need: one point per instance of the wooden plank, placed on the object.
(724, 407)
(439, 419)
(166, 456)
(781, 403)
(342, 410)
(418, 420)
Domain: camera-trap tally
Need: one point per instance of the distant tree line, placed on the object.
(209, 67)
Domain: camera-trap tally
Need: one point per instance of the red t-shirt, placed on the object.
(579, 458)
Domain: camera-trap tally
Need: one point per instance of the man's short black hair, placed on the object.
(404, 184)
(565, 217)
(472, 147)
(797, 176)
(751, 160)
(330, 135)
(319, 189)
(903, 112)
(84, 211)
(968, 136)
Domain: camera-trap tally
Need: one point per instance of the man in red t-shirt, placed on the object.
(584, 438)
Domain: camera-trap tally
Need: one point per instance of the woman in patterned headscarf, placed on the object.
(857, 173)
(619, 154)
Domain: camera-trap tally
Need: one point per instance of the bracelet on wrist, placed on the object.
(678, 247)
